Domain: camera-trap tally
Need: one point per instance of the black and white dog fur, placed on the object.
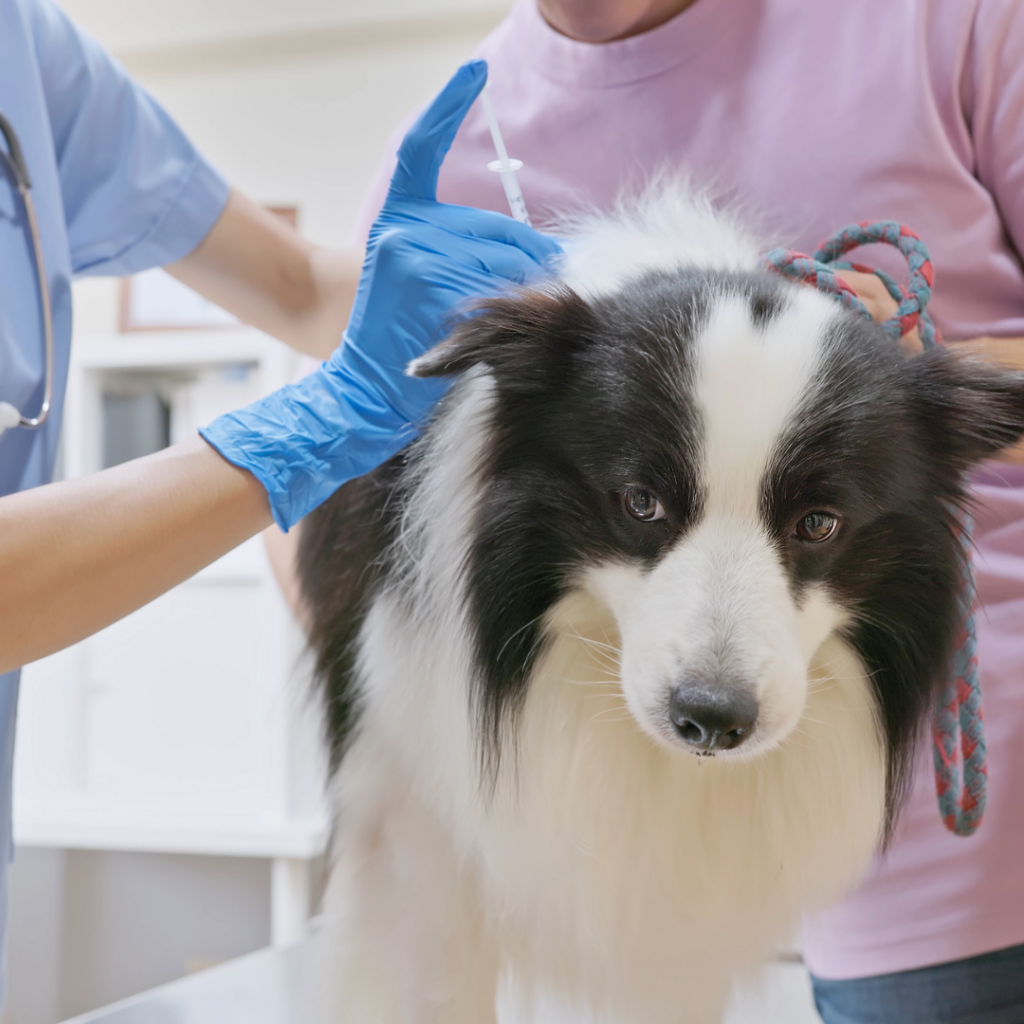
(625, 658)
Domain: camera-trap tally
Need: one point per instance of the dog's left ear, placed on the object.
(521, 338)
(970, 409)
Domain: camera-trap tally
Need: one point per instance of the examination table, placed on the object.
(265, 987)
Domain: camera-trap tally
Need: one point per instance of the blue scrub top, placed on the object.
(118, 188)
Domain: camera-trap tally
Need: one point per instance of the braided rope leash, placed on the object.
(957, 715)
(958, 736)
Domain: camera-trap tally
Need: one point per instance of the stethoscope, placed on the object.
(14, 158)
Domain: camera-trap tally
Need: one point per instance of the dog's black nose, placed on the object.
(712, 719)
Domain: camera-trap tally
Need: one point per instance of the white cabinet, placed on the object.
(188, 726)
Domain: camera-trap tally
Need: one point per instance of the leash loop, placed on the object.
(820, 271)
(958, 736)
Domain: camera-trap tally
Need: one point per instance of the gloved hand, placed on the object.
(423, 259)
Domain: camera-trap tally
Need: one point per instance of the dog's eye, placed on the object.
(642, 505)
(817, 526)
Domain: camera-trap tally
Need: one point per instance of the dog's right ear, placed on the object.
(521, 337)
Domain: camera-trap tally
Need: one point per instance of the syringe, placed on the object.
(504, 165)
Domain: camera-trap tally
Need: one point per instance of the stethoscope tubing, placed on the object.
(15, 162)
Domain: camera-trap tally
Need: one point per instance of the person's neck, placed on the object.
(605, 21)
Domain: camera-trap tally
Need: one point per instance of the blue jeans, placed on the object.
(986, 989)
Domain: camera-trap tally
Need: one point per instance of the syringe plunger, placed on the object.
(504, 165)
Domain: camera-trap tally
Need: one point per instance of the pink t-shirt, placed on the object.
(813, 115)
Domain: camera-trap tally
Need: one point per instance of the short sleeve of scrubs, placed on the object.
(136, 193)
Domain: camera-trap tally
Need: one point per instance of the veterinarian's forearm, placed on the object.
(79, 555)
(1008, 352)
(257, 267)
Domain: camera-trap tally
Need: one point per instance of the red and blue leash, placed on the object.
(958, 736)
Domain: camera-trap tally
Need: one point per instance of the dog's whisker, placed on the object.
(591, 642)
(606, 696)
(603, 716)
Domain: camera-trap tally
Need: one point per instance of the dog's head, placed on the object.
(738, 468)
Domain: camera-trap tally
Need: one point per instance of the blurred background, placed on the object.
(168, 810)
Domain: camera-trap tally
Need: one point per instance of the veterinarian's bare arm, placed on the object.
(257, 267)
(79, 555)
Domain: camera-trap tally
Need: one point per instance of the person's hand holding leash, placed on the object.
(880, 304)
(423, 260)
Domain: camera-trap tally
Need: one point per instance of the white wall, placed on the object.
(294, 101)
(89, 928)
(36, 922)
(126, 26)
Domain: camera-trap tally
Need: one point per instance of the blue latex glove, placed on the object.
(423, 260)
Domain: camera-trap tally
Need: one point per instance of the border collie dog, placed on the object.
(625, 658)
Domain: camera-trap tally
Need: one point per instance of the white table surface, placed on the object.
(262, 988)
(266, 987)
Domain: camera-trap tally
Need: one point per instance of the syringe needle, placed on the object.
(503, 165)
